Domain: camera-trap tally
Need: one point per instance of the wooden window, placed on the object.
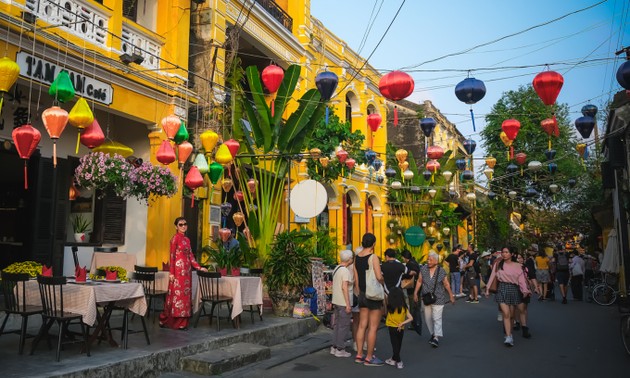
(130, 9)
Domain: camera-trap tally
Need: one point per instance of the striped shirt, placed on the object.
(428, 281)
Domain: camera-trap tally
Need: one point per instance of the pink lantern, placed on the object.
(435, 152)
(171, 125)
(350, 163)
(92, 136)
(193, 181)
(342, 155)
(166, 153)
(233, 146)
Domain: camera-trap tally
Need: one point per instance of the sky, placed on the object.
(428, 30)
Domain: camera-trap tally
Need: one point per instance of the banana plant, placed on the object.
(271, 142)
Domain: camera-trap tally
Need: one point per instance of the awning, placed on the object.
(610, 262)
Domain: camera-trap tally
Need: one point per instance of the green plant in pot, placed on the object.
(80, 226)
(288, 270)
(227, 263)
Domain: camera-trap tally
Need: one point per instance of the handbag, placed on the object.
(302, 309)
(430, 298)
(492, 288)
(406, 283)
(373, 289)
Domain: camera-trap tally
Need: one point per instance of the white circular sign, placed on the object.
(308, 199)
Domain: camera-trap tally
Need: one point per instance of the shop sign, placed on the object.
(415, 236)
(45, 72)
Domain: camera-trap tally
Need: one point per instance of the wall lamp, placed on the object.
(133, 58)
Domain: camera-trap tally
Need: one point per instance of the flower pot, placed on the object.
(283, 302)
(80, 237)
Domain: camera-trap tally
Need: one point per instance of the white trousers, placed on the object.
(433, 319)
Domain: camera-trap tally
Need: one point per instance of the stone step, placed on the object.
(225, 359)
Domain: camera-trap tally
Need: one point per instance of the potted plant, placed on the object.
(249, 254)
(287, 270)
(227, 263)
(80, 226)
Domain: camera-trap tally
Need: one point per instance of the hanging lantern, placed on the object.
(512, 194)
(396, 185)
(224, 233)
(432, 193)
(233, 146)
(326, 83)
(433, 166)
(511, 168)
(370, 157)
(453, 194)
(427, 175)
(589, 110)
(9, 72)
(470, 91)
(61, 88)
(252, 184)
(491, 162)
(446, 231)
(550, 126)
(341, 155)
(171, 125)
(166, 153)
(471, 196)
(571, 182)
(407, 175)
(374, 121)
(468, 175)
(520, 158)
(415, 190)
(531, 192)
(390, 173)
(93, 135)
(401, 155)
(184, 150)
(209, 140)
(439, 247)
(427, 125)
(350, 162)
(508, 143)
(534, 165)
(315, 153)
(447, 175)
(553, 167)
(492, 195)
(201, 163)
(223, 155)
(324, 161)
(438, 212)
(460, 164)
(403, 166)
(547, 85)
(73, 192)
(488, 172)
(623, 74)
(55, 120)
(80, 116)
(182, 133)
(272, 77)
(114, 148)
(239, 196)
(378, 163)
(26, 138)
(435, 152)
(226, 209)
(580, 148)
(215, 172)
(238, 218)
(470, 146)
(550, 154)
(511, 127)
(584, 126)
(227, 184)
(395, 86)
(553, 188)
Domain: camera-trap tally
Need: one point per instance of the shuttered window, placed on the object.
(130, 9)
(109, 220)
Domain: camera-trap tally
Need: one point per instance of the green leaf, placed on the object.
(255, 86)
(252, 223)
(291, 77)
(253, 122)
(298, 120)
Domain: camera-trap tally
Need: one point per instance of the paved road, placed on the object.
(574, 340)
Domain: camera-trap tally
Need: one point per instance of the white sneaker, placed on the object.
(354, 346)
(399, 365)
(460, 295)
(342, 353)
(509, 341)
(500, 317)
(333, 350)
(390, 362)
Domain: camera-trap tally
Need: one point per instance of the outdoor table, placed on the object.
(121, 259)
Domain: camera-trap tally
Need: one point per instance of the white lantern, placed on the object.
(396, 185)
(534, 165)
(471, 196)
(446, 231)
(432, 192)
(488, 172)
(408, 174)
(554, 188)
(447, 175)
(512, 194)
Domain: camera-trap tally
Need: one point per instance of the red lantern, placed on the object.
(166, 153)
(92, 136)
(350, 163)
(184, 150)
(547, 85)
(251, 185)
(55, 120)
(272, 77)
(395, 86)
(193, 181)
(521, 158)
(170, 125)
(510, 127)
(435, 152)
(239, 196)
(433, 166)
(342, 155)
(233, 146)
(374, 121)
(26, 139)
(224, 234)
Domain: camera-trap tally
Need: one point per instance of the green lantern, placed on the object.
(182, 134)
(62, 89)
(201, 163)
(216, 172)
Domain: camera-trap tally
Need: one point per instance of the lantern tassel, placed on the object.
(1, 102)
(55, 153)
(549, 143)
(472, 116)
(272, 106)
(511, 152)
(395, 115)
(78, 141)
(192, 201)
(25, 175)
(521, 170)
(327, 114)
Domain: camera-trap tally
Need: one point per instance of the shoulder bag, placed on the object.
(430, 298)
(373, 289)
(492, 288)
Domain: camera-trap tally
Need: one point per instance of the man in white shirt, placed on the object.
(342, 304)
(577, 268)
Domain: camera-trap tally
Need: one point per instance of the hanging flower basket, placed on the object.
(110, 174)
(150, 179)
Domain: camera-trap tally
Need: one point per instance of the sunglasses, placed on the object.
(182, 224)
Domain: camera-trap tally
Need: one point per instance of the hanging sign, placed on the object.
(45, 72)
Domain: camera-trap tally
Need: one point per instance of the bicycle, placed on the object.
(604, 294)
(588, 290)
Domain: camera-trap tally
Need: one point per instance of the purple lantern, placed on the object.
(470, 146)
(326, 83)
(427, 125)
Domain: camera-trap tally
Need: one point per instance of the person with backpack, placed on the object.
(472, 275)
(561, 258)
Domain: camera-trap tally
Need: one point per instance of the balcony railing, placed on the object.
(278, 13)
(77, 17)
(134, 40)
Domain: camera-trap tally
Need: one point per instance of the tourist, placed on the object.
(370, 311)
(561, 259)
(392, 270)
(472, 275)
(453, 268)
(397, 316)
(342, 304)
(177, 306)
(578, 268)
(413, 269)
(433, 280)
(543, 276)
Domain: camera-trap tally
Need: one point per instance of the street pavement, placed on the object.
(574, 340)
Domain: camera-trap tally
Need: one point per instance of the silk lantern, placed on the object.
(623, 74)
(223, 155)
(470, 91)
(435, 152)
(55, 120)
(350, 163)
(492, 195)
(511, 127)
(165, 154)
(232, 146)
(171, 125)
(201, 163)
(407, 175)
(92, 136)
(227, 184)
(550, 126)
(589, 110)
(427, 125)
(238, 218)
(491, 162)
(585, 125)
(80, 116)
(239, 196)
(62, 88)
(553, 168)
(26, 138)
(315, 152)
(184, 150)
(341, 155)
(488, 172)
(272, 77)
(460, 164)
(326, 83)
(521, 159)
(403, 166)
(182, 133)
(511, 168)
(114, 148)
(396, 185)
(468, 175)
(395, 86)
(433, 166)
(370, 157)
(548, 85)
(401, 155)
(470, 146)
(426, 174)
(209, 140)
(550, 154)
(215, 172)
(512, 194)
(324, 161)
(374, 122)
(193, 181)
(252, 184)
(9, 72)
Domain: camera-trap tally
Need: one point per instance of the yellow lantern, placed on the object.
(209, 140)
(403, 166)
(9, 72)
(80, 116)
(315, 152)
(112, 148)
(223, 155)
(238, 218)
(227, 184)
(401, 155)
(491, 162)
(324, 161)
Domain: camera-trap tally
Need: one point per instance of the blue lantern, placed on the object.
(390, 172)
(469, 91)
(370, 156)
(427, 175)
(531, 192)
(589, 110)
(512, 168)
(623, 75)
(550, 154)
(572, 182)
(326, 83)
(460, 164)
(492, 195)
(553, 167)
(584, 126)
(470, 146)
(377, 164)
(427, 125)
(467, 175)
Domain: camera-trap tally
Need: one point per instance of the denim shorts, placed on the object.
(368, 303)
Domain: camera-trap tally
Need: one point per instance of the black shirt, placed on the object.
(392, 272)
(453, 262)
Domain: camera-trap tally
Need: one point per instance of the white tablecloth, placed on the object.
(124, 260)
(82, 298)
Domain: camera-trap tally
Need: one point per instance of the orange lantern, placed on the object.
(401, 155)
(170, 125)
(227, 184)
(238, 218)
(184, 150)
(55, 120)
(491, 162)
(26, 139)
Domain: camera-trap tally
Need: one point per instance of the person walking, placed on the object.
(511, 289)
(578, 267)
(397, 316)
(178, 303)
(453, 268)
(370, 311)
(342, 304)
(561, 258)
(433, 280)
(543, 275)
(472, 274)
(413, 269)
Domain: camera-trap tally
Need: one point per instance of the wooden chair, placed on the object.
(209, 286)
(51, 292)
(254, 308)
(13, 288)
(146, 277)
